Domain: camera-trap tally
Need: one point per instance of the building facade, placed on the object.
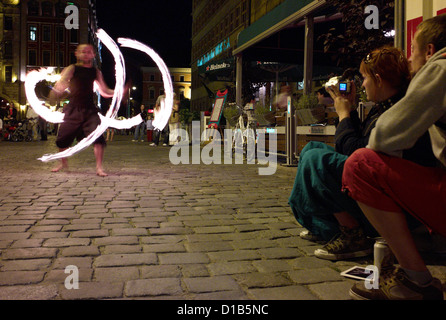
(215, 28)
(153, 85)
(33, 34)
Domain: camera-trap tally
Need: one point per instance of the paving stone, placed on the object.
(182, 258)
(22, 265)
(232, 267)
(153, 287)
(80, 251)
(116, 274)
(282, 293)
(332, 290)
(93, 290)
(125, 259)
(10, 278)
(116, 240)
(211, 284)
(308, 276)
(66, 242)
(234, 255)
(262, 280)
(29, 253)
(34, 292)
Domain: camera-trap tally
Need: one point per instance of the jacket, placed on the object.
(422, 109)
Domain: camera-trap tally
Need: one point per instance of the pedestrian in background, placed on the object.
(140, 129)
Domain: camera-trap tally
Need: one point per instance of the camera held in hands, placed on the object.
(344, 86)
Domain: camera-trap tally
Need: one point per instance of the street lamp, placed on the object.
(128, 102)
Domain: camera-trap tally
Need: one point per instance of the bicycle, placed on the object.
(244, 136)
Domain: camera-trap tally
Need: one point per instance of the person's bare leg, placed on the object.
(346, 220)
(99, 154)
(63, 164)
(392, 226)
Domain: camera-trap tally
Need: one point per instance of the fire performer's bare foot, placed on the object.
(62, 166)
(101, 172)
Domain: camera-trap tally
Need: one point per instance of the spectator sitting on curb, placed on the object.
(386, 186)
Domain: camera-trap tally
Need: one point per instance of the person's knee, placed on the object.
(357, 164)
(312, 145)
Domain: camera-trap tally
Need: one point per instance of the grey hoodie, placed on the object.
(423, 108)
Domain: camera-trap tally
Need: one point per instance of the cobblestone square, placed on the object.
(154, 230)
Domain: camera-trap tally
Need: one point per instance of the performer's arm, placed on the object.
(61, 85)
(104, 90)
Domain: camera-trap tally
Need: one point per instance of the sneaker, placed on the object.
(164, 144)
(133, 140)
(153, 144)
(142, 140)
(350, 243)
(395, 285)
(307, 235)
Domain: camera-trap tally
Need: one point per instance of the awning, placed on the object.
(283, 15)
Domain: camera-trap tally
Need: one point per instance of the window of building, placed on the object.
(73, 58)
(8, 74)
(60, 32)
(8, 50)
(152, 77)
(60, 59)
(47, 9)
(7, 23)
(33, 8)
(181, 78)
(60, 10)
(46, 58)
(32, 34)
(74, 37)
(181, 89)
(32, 57)
(151, 94)
(46, 33)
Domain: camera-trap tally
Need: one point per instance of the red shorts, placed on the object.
(397, 185)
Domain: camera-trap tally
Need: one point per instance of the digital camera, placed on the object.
(343, 86)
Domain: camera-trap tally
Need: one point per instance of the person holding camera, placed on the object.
(387, 187)
(317, 200)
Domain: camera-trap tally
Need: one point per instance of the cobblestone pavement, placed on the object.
(154, 230)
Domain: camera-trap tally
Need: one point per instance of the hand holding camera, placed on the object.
(343, 94)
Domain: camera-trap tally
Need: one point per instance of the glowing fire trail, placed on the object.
(161, 116)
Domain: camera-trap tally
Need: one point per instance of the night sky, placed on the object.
(163, 25)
